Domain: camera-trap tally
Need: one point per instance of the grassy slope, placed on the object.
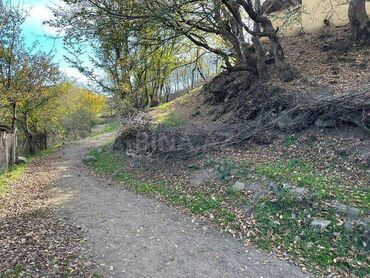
(313, 160)
(279, 224)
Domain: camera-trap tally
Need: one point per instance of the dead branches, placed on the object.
(140, 139)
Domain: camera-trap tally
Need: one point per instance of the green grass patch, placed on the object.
(15, 171)
(10, 175)
(290, 140)
(109, 127)
(199, 202)
(303, 173)
(282, 224)
(44, 153)
(14, 273)
(170, 119)
(163, 107)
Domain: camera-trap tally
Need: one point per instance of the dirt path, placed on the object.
(133, 236)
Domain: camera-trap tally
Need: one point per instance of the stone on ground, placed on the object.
(21, 160)
(89, 159)
(202, 177)
(299, 193)
(239, 186)
(320, 224)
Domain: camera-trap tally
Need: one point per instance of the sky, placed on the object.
(35, 31)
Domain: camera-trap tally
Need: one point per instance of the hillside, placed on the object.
(299, 191)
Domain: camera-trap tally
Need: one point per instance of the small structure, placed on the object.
(294, 17)
(8, 145)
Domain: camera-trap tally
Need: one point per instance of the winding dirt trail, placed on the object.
(133, 236)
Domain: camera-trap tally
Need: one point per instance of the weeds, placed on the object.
(11, 174)
(16, 272)
(282, 224)
(304, 174)
(199, 202)
(170, 119)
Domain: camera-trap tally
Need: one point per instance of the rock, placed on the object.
(273, 186)
(284, 121)
(353, 213)
(191, 165)
(255, 187)
(365, 157)
(299, 193)
(348, 225)
(239, 186)
(89, 159)
(320, 224)
(234, 172)
(365, 222)
(21, 160)
(325, 123)
(202, 177)
(350, 212)
(339, 207)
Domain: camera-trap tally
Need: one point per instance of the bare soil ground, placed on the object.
(85, 219)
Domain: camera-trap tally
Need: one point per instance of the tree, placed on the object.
(11, 52)
(359, 21)
(38, 75)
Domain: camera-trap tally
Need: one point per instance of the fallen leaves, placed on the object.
(33, 242)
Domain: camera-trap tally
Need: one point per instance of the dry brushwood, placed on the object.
(353, 109)
(141, 139)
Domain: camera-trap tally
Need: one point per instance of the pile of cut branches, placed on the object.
(142, 139)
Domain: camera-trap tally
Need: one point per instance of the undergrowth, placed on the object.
(285, 225)
(200, 202)
(11, 174)
(303, 173)
(280, 224)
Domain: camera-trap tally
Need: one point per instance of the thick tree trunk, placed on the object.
(359, 20)
(29, 135)
(14, 118)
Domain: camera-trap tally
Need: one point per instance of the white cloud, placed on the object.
(37, 14)
(75, 75)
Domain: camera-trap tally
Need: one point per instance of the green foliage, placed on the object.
(163, 107)
(226, 167)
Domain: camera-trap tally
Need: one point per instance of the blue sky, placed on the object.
(34, 30)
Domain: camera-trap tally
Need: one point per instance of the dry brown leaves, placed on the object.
(32, 240)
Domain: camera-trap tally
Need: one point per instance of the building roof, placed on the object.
(270, 6)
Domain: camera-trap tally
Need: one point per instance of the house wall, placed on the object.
(311, 16)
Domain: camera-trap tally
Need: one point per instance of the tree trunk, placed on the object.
(29, 135)
(14, 118)
(45, 138)
(359, 20)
